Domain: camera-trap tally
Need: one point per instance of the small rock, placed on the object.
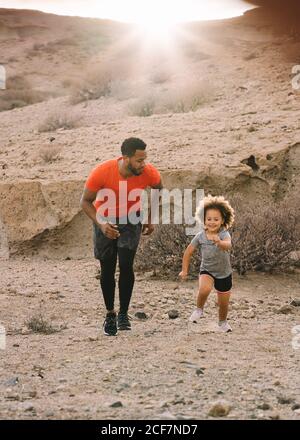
(173, 314)
(49, 414)
(32, 394)
(220, 408)
(12, 382)
(283, 400)
(167, 415)
(92, 338)
(26, 406)
(117, 404)
(295, 407)
(296, 302)
(274, 416)
(141, 315)
(264, 406)
(199, 371)
(12, 396)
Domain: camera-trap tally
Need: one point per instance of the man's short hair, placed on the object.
(130, 145)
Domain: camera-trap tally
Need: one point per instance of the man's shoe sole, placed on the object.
(124, 328)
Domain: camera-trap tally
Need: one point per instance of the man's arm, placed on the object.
(148, 227)
(86, 203)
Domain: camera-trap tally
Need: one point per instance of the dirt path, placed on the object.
(163, 369)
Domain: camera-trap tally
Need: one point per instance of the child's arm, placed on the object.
(186, 261)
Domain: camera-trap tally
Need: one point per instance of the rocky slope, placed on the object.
(244, 138)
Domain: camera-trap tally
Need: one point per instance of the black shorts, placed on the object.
(129, 239)
(220, 284)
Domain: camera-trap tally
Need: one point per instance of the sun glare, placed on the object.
(157, 19)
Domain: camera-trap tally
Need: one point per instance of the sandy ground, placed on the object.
(163, 368)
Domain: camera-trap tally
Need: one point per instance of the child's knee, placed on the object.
(204, 292)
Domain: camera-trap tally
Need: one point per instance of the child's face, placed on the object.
(213, 220)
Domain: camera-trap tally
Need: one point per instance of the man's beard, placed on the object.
(134, 171)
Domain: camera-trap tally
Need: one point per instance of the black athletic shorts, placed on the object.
(220, 284)
(129, 239)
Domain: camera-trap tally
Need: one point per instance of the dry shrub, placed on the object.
(18, 93)
(39, 324)
(187, 97)
(98, 81)
(263, 236)
(143, 106)
(180, 99)
(163, 251)
(59, 120)
(49, 153)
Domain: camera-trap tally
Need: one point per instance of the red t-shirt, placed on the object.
(106, 176)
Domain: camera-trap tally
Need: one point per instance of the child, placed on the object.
(215, 270)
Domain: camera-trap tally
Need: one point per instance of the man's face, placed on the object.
(136, 163)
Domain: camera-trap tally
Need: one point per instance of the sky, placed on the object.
(137, 11)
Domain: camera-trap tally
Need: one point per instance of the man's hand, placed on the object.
(110, 230)
(183, 275)
(148, 228)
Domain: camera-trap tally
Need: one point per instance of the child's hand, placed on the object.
(215, 238)
(183, 275)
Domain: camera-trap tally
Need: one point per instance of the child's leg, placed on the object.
(223, 302)
(206, 283)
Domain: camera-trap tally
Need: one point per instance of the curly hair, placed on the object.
(219, 203)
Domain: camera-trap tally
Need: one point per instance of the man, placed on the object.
(116, 231)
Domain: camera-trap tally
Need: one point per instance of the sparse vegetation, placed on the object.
(180, 99)
(163, 252)
(144, 106)
(187, 97)
(18, 93)
(39, 324)
(49, 153)
(264, 237)
(98, 82)
(55, 121)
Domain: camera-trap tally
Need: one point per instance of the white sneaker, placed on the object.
(196, 315)
(225, 327)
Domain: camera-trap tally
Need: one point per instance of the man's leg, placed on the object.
(126, 283)
(107, 280)
(108, 284)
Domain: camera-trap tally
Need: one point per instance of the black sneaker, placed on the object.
(123, 321)
(110, 325)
